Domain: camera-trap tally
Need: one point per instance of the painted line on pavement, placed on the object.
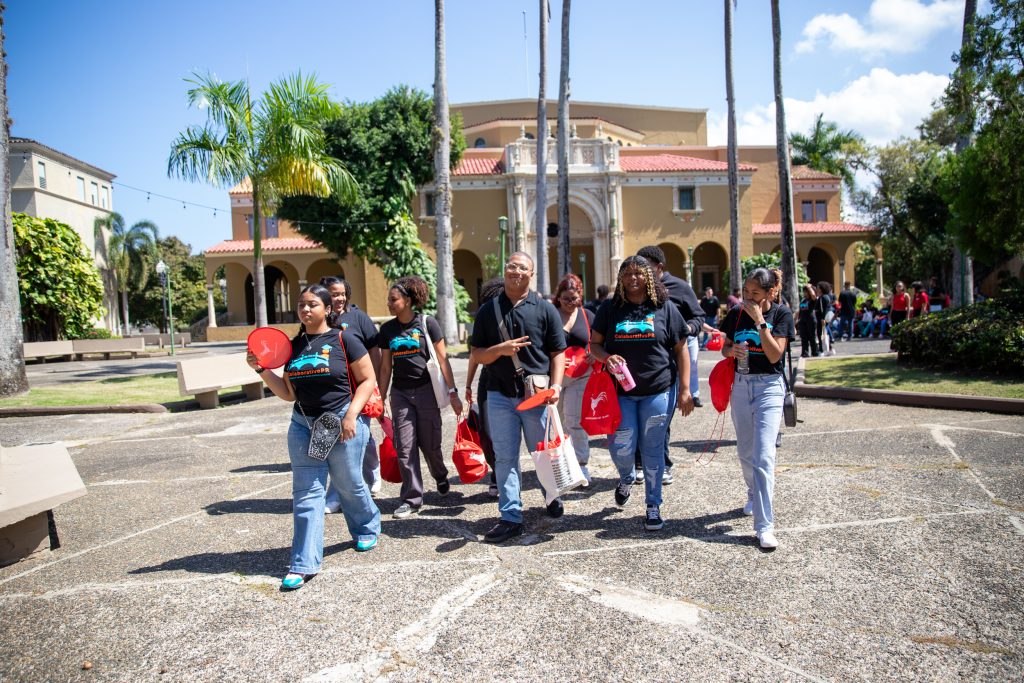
(169, 522)
(939, 436)
(212, 477)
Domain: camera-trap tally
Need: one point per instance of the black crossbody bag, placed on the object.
(789, 402)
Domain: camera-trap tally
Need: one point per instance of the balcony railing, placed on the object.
(585, 156)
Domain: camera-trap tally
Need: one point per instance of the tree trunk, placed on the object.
(443, 197)
(564, 243)
(541, 212)
(127, 327)
(735, 274)
(259, 292)
(12, 363)
(788, 234)
(963, 266)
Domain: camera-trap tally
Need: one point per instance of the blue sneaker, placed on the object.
(364, 546)
(294, 581)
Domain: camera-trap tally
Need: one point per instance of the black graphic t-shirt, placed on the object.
(645, 338)
(318, 372)
(359, 324)
(780, 324)
(408, 347)
(579, 333)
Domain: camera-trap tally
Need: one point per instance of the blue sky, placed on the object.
(103, 81)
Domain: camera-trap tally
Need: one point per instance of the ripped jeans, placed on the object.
(651, 412)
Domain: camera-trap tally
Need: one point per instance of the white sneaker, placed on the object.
(586, 476)
(375, 489)
(767, 540)
(332, 508)
(748, 508)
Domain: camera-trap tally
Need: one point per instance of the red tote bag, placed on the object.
(468, 454)
(389, 461)
(600, 415)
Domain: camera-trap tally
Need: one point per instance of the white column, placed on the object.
(878, 275)
(615, 231)
(211, 310)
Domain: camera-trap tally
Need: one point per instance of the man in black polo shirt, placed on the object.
(536, 340)
(847, 311)
(682, 295)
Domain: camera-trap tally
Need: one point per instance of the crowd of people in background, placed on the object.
(650, 322)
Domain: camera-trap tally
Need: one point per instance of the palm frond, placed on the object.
(199, 154)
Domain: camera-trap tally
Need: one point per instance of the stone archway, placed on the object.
(581, 241)
(675, 259)
(323, 268)
(710, 262)
(470, 274)
(273, 278)
(821, 266)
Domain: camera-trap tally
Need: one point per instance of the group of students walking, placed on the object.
(522, 342)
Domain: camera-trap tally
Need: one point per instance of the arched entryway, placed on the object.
(820, 266)
(710, 262)
(323, 268)
(273, 280)
(581, 243)
(470, 274)
(675, 259)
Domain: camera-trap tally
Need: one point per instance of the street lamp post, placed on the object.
(165, 279)
(583, 272)
(689, 265)
(502, 232)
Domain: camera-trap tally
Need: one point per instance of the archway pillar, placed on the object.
(615, 241)
(211, 310)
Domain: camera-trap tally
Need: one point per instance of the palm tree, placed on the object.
(963, 265)
(443, 197)
(277, 142)
(829, 149)
(541, 213)
(12, 363)
(735, 276)
(788, 236)
(564, 244)
(125, 251)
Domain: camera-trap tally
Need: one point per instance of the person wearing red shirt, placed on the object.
(920, 304)
(900, 304)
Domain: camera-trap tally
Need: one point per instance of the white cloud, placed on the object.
(881, 106)
(900, 26)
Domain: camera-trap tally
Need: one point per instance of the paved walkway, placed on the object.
(902, 531)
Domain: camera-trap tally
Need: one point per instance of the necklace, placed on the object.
(309, 342)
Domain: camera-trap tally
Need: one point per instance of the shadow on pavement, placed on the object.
(268, 506)
(268, 467)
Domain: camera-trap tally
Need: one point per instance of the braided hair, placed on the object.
(656, 292)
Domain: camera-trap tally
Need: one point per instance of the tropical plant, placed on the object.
(443, 189)
(277, 143)
(187, 284)
(124, 250)
(772, 261)
(13, 380)
(564, 243)
(61, 290)
(788, 236)
(827, 148)
(543, 279)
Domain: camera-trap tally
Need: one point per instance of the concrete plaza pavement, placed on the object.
(902, 531)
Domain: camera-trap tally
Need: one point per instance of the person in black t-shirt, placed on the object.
(710, 304)
(329, 371)
(826, 313)
(809, 323)
(576, 322)
(847, 312)
(414, 409)
(358, 323)
(602, 294)
(765, 327)
(535, 340)
(642, 329)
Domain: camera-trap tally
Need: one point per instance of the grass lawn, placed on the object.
(875, 372)
(160, 388)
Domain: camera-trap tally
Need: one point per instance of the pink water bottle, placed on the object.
(621, 373)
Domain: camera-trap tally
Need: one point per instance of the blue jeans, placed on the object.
(507, 425)
(309, 480)
(757, 416)
(846, 326)
(653, 413)
(371, 467)
(693, 346)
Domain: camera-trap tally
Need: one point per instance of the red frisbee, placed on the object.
(270, 345)
(540, 398)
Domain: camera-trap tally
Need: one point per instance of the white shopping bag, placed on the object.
(555, 462)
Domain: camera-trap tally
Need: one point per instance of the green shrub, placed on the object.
(98, 333)
(986, 337)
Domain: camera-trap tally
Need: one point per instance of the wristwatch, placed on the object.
(556, 386)
(763, 326)
(260, 370)
(452, 392)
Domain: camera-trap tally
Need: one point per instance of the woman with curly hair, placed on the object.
(576, 323)
(329, 371)
(642, 329)
(414, 409)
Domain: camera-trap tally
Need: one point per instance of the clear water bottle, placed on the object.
(742, 359)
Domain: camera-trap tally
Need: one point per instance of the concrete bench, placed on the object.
(162, 340)
(48, 349)
(130, 345)
(34, 480)
(204, 377)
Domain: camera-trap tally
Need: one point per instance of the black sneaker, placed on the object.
(556, 509)
(443, 487)
(697, 403)
(653, 521)
(622, 492)
(502, 531)
(405, 510)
